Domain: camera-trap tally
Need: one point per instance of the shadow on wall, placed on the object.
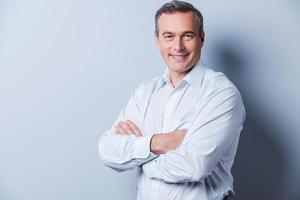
(259, 164)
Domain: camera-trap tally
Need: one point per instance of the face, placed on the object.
(179, 41)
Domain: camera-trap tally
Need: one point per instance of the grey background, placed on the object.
(68, 67)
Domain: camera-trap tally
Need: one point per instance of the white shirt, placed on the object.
(204, 102)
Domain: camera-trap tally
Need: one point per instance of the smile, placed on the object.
(179, 57)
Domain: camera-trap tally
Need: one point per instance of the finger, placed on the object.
(179, 137)
(182, 131)
(134, 127)
(126, 128)
(120, 130)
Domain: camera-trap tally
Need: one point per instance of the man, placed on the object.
(181, 129)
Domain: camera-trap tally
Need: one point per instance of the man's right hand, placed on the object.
(163, 142)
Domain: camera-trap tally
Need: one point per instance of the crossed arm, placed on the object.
(180, 155)
(160, 143)
(125, 147)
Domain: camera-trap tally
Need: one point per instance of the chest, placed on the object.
(170, 110)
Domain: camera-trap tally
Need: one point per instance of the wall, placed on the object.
(68, 67)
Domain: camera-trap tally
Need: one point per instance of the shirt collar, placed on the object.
(193, 78)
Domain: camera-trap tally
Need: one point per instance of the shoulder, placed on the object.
(216, 82)
(217, 88)
(147, 86)
(143, 92)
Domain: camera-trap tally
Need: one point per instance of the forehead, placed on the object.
(179, 21)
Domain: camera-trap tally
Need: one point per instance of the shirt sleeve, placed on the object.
(124, 152)
(214, 130)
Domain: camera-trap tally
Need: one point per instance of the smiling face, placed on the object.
(179, 41)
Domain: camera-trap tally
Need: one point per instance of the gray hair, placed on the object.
(178, 6)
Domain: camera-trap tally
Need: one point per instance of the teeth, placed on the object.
(179, 58)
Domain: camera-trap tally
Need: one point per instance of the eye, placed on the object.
(168, 37)
(188, 36)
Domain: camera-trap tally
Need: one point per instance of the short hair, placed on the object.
(178, 6)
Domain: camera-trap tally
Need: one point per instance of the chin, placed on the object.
(179, 68)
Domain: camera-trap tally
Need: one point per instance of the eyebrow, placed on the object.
(189, 32)
(166, 33)
(185, 32)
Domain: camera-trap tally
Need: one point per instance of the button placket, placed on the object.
(168, 113)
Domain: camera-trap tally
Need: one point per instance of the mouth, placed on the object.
(179, 57)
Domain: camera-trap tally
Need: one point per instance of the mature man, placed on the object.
(181, 129)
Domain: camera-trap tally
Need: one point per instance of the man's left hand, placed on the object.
(128, 128)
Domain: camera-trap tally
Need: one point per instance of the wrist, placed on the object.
(156, 146)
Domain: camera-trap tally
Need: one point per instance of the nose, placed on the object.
(178, 44)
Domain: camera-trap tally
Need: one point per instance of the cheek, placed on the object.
(195, 45)
(164, 50)
(196, 50)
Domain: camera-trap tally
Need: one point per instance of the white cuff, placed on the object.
(142, 147)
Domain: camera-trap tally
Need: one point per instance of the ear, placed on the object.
(156, 41)
(202, 36)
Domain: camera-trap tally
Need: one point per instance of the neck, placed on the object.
(176, 77)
